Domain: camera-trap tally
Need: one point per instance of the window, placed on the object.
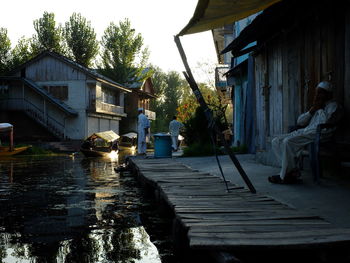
(59, 92)
(110, 97)
(4, 91)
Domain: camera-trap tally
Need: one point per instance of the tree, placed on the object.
(5, 47)
(81, 39)
(172, 93)
(169, 88)
(48, 37)
(21, 53)
(123, 58)
(205, 70)
(189, 104)
(156, 105)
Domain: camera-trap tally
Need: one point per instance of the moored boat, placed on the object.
(10, 150)
(100, 144)
(128, 141)
(6, 150)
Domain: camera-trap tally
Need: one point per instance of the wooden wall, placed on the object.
(346, 94)
(51, 69)
(148, 86)
(289, 67)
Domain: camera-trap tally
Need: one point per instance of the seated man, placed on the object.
(288, 147)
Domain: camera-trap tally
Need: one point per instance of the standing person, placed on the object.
(287, 147)
(142, 129)
(174, 130)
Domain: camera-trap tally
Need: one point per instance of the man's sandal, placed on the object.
(276, 179)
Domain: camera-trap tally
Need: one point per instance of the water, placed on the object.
(71, 209)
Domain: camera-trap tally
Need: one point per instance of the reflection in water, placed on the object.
(113, 155)
(70, 209)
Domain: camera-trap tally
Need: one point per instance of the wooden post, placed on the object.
(211, 124)
(11, 139)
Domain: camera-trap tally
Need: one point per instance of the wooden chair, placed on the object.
(319, 147)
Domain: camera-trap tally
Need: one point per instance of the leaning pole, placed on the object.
(209, 115)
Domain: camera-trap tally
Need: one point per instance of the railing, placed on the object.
(112, 108)
(150, 114)
(36, 114)
(105, 108)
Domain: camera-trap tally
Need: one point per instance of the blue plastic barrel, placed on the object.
(162, 145)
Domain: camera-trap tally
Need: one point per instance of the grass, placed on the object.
(240, 149)
(33, 150)
(197, 150)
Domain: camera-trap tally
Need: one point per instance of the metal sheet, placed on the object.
(210, 14)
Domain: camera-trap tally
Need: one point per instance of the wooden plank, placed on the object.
(269, 222)
(217, 219)
(244, 216)
(305, 234)
(230, 205)
(266, 243)
(254, 229)
(215, 209)
(253, 198)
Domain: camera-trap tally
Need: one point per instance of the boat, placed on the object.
(100, 144)
(10, 150)
(128, 141)
(5, 150)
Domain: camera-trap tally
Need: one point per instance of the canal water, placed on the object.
(75, 209)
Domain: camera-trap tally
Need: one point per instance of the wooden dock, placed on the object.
(213, 219)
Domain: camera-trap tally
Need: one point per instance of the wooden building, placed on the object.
(67, 99)
(298, 44)
(142, 92)
(237, 87)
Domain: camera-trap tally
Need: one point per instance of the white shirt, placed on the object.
(143, 122)
(174, 127)
(319, 117)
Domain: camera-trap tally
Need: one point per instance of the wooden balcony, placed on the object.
(101, 107)
(150, 114)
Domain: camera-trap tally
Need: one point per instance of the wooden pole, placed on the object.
(211, 124)
(11, 139)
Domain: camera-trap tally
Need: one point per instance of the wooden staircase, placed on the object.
(26, 129)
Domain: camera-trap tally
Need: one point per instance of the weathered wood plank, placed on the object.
(254, 229)
(216, 219)
(251, 243)
(268, 222)
(245, 216)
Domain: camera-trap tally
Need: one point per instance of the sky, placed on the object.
(157, 21)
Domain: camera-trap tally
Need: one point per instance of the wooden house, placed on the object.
(298, 44)
(236, 83)
(142, 92)
(70, 101)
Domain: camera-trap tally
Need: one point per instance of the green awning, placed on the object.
(211, 14)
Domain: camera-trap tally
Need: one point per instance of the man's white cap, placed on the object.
(325, 85)
(140, 109)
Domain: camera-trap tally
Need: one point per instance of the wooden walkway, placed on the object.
(217, 220)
